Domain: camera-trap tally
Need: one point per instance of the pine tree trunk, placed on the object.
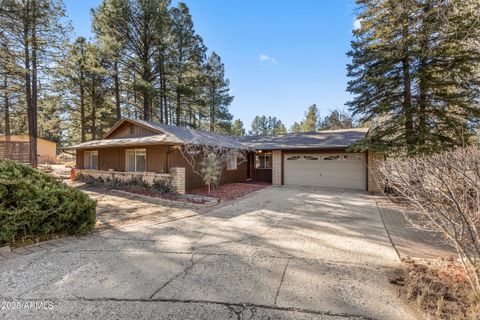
(82, 105)
(407, 92)
(34, 111)
(178, 110)
(423, 78)
(117, 88)
(6, 110)
(94, 109)
(212, 115)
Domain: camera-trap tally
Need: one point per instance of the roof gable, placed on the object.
(129, 128)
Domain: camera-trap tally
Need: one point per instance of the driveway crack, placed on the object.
(192, 264)
(281, 281)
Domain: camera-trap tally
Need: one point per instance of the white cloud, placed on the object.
(264, 57)
(357, 24)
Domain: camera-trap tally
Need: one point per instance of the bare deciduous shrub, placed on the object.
(444, 189)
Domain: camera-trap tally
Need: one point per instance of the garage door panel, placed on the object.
(340, 173)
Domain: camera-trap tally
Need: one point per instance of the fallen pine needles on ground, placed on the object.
(439, 288)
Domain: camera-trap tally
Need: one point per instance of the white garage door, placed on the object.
(340, 170)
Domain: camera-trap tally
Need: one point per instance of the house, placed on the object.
(17, 148)
(152, 150)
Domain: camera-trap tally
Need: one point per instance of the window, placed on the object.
(352, 157)
(263, 161)
(310, 158)
(91, 160)
(232, 162)
(293, 158)
(331, 158)
(136, 160)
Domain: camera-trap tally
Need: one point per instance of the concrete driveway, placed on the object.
(284, 253)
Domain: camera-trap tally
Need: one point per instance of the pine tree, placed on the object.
(237, 129)
(34, 31)
(263, 125)
(311, 121)
(336, 120)
(188, 55)
(296, 128)
(414, 73)
(109, 14)
(217, 94)
(210, 170)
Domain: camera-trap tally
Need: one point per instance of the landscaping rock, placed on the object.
(5, 250)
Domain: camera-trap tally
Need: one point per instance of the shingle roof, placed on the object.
(307, 140)
(168, 134)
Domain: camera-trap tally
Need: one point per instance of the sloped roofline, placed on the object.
(123, 120)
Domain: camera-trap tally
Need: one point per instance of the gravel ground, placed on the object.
(283, 253)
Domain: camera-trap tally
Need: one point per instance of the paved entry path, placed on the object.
(283, 253)
(407, 240)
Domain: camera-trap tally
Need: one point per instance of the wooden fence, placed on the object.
(18, 151)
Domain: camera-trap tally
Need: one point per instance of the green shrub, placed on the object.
(163, 186)
(34, 204)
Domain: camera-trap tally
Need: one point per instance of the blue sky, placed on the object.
(280, 56)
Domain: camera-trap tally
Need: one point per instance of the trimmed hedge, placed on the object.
(34, 205)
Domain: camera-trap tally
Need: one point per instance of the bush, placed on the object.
(443, 189)
(36, 205)
(137, 183)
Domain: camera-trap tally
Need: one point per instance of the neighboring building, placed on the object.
(151, 150)
(17, 148)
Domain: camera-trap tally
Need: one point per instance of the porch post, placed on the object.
(178, 179)
(277, 167)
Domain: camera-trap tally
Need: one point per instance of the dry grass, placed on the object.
(438, 288)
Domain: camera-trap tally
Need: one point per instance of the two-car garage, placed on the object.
(339, 170)
(323, 158)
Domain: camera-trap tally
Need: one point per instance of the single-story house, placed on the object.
(17, 148)
(152, 150)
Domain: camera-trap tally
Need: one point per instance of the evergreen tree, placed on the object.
(33, 32)
(109, 14)
(263, 125)
(217, 94)
(414, 73)
(188, 55)
(336, 120)
(311, 121)
(296, 128)
(237, 129)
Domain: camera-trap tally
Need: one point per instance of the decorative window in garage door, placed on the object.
(293, 158)
(351, 157)
(332, 157)
(309, 157)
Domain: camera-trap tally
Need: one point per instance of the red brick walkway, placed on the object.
(410, 242)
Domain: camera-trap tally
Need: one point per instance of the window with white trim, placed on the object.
(309, 157)
(232, 162)
(91, 160)
(263, 161)
(136, 160)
